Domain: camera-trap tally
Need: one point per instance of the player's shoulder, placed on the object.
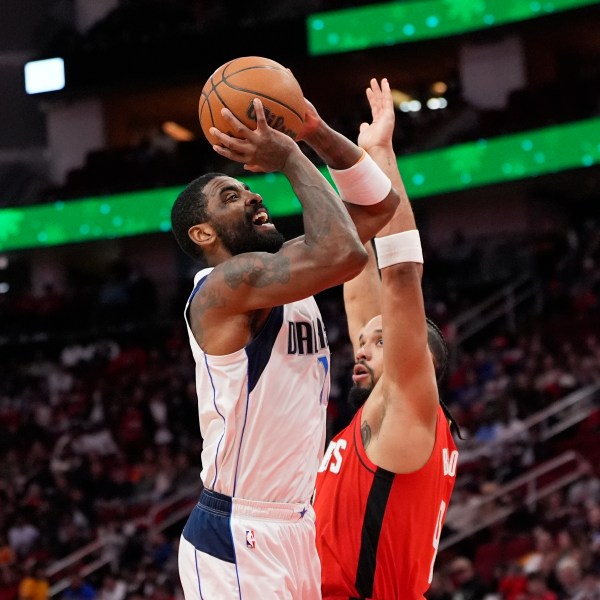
(201, 275)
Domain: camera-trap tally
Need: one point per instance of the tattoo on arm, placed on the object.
(203, 301)
(365, 434)
(257, 271)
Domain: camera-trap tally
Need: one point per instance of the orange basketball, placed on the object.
(235, 84)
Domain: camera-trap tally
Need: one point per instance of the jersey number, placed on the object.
(436, 537)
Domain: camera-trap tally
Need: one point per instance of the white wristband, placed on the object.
(399, 248)
(363, 183)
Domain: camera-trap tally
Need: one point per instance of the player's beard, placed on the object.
(357, 396)
(244, 237)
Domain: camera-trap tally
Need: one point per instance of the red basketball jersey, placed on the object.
(378, 532)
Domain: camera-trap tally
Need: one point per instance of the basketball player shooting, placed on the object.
(385, 482)
(262, 362)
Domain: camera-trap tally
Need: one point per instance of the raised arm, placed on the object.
(341, 155)
(362, 295)
(329, 253)
(409, 387)
(376, 139)
(403, 415)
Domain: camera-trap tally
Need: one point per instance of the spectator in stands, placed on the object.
(22, 535)
(95, 438)
(468, 391)
(131, 433)
(593, 532)
(467, 585)
(9, 585)
(7, 555)
(79, 589)
(489, 427)
(185, 474)
(586, 490)
(537, 589)
(544, 555)
(441, 588)
(513, 583)
(71, 533)
(569, 576)
(589, 588)
(556, 512)
(570, 543)
(112, 588)
(34, 585)
(161, 549)
(465, 508)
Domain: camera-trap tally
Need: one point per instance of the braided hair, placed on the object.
(441, 356)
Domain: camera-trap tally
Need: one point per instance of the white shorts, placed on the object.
(246, 550)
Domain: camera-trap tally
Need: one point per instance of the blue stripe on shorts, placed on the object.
(208, 528)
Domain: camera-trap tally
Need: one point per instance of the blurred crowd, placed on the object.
(552, 554)
(91, 439)
(98, 429)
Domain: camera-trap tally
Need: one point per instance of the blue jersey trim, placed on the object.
(198, 576)
(260, 348)
(323, 360)
(219, 413)
(237, 567)
(258, 353)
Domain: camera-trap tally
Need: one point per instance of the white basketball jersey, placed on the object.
(262, 408)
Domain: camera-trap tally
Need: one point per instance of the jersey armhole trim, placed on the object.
(362, 454)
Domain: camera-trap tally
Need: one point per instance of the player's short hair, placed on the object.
(438, 348)
(191, 208)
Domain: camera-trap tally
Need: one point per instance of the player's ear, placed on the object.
(202, 234)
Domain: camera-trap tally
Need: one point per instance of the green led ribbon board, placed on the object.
(400, 22)
(463, 166)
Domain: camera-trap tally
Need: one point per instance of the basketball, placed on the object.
(236, 83)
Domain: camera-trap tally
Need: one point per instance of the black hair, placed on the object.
(191, 208)
(441, 357)
(438, 348)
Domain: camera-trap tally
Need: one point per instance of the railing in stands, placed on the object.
(501, 304)
(543, 425)
(560, 471)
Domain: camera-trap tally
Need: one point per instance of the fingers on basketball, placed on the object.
(237, 83)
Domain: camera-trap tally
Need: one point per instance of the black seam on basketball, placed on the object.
(214, 89)
(261, 95)
(216, 92)
(221, 100)
(223, 69)
(207, 103)
(248, 69)
(225, 77)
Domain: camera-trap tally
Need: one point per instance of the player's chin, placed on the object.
(268, 239)
(357, 396)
